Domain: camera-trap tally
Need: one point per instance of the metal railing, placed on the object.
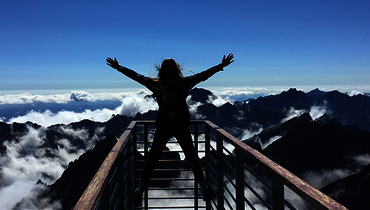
(239, 176)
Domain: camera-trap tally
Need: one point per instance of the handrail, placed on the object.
(90, 198)
(313, 196)
(113, 185)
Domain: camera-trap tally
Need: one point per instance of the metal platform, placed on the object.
(240, 177)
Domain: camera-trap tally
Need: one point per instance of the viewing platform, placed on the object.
(240, 176)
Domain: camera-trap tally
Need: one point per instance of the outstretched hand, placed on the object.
(228, 60)
(113, 63)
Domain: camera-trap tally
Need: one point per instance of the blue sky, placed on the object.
(51, 45)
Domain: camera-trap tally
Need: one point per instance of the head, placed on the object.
(169, 64)
(169, 70)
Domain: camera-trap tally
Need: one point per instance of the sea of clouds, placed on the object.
(26, 161)
(53, 109)
(20, 171)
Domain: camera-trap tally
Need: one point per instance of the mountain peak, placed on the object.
(316, 93)
(200, 95)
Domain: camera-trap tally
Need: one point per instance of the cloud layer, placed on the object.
(130, 106)
(28, 159)
(75, 95)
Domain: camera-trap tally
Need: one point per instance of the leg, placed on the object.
(183, 136)
(160, 140)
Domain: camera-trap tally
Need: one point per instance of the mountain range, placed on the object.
(322, 137)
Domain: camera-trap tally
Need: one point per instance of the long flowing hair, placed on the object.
(171, 80)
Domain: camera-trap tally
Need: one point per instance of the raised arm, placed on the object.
(204, 75)
(228, 60)
(128, 72)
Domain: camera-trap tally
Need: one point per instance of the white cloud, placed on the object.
(218, 100)
(355, 92)
(76, 95)
(230, 93)
(319, 179)
(33, 202)
(48, 118)
(248, 133)
(27, 159)
(193, 109)
(81, 134)
(291, 113)
(318, 111)
(244, 93)
(362, 160)
(63, 153)
(131, 105)
(81, 96)
(25, 98)
(272, 139)
(315, 112)
(322, 178)
(14, 193)
(136, 104)
(295, 200)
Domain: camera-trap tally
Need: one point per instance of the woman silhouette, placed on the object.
(170, 89)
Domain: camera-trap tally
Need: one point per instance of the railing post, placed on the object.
(146, 156)
(196, 181)
(125, 176)
(277, 190)
(106, 188)
(220, 174)
(239, 177)
(133, 163)
(104, 200)
(207, 140)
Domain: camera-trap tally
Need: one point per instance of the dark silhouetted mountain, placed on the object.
(277, 130)
(117, 125)
(200, 95)
(150, 115)
(307, 146)
(316, 93)
(284, 100)
(348, 109)
(352, 191)
(8, 132)
(327, 143)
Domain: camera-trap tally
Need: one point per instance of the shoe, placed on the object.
(138, 197)
(207, 194)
